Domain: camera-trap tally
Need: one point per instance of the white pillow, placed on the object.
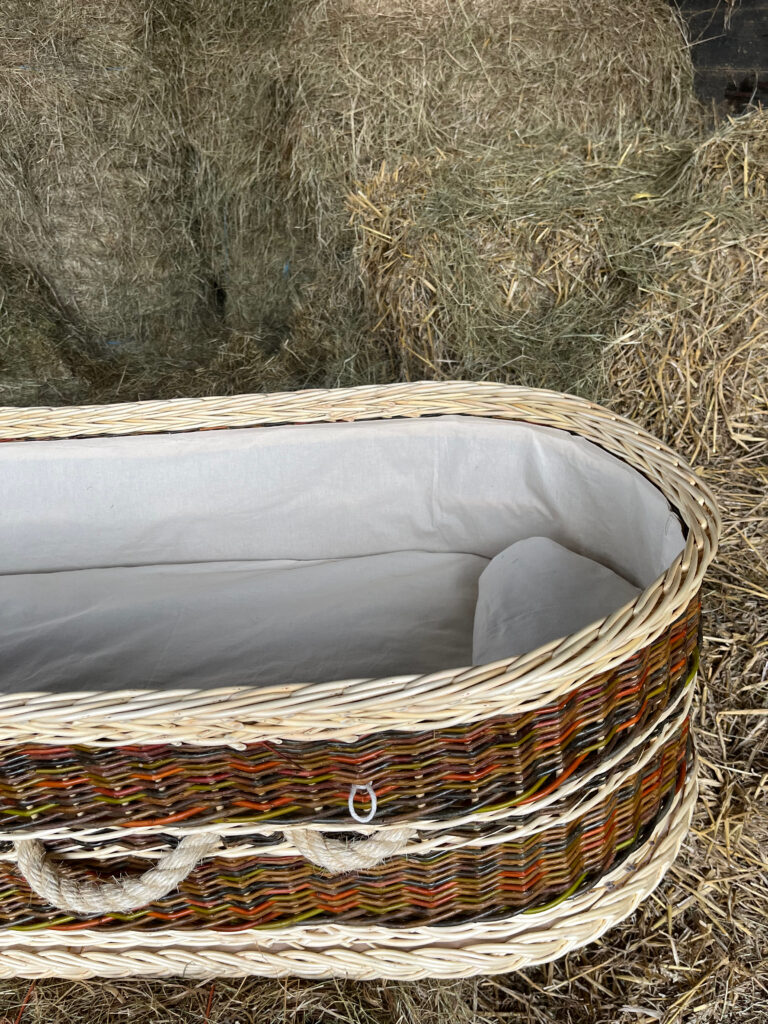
(536, 591)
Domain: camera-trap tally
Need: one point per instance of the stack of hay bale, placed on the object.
(176, 180)
(198, 199)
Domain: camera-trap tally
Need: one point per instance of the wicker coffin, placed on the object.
(453, 821)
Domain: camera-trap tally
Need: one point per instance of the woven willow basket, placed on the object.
(456, 823)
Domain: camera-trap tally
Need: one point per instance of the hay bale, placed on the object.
(220, 66)
(537, 264)
(691, 360)
(734, 160)
(92, 169)
(391, 79)
(517, 262)
(693, 357)
(33, 364)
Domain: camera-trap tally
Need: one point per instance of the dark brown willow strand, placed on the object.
(439, 774)
(465, 884)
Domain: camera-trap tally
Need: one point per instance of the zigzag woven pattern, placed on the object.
(498, 763)
(442, 887)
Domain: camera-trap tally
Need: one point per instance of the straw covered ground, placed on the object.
(200, 198)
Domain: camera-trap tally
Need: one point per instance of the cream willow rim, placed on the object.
(374, 951)
(347, 709)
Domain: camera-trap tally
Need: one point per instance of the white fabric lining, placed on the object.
(161, 561)
(224, 624)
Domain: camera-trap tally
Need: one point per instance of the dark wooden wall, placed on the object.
(730, 50)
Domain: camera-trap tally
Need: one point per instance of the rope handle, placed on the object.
(59, 886)
(338, 857)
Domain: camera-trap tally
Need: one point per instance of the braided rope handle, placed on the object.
(59, 887)
(338, 857)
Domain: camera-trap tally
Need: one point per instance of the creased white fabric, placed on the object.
(537, 591)
(238, 623)
(171, 560)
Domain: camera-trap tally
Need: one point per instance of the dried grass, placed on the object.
(692, 359)
(92, 169)
(32, 345)
(401, 82)
(173, 172)
(518, 261)
(394, 79)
